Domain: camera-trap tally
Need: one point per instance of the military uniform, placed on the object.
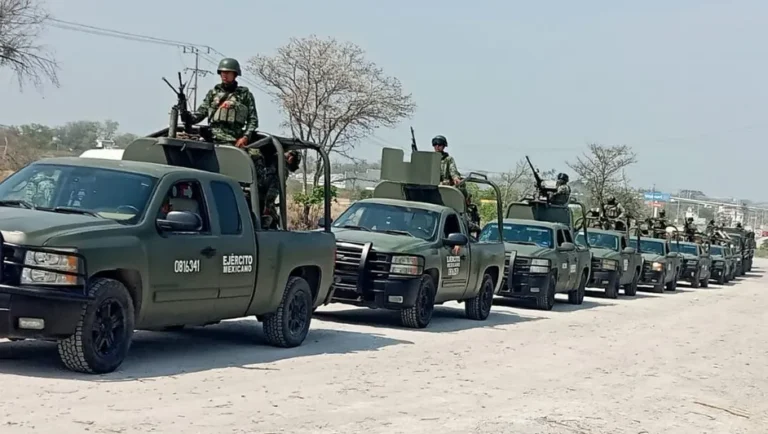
(562, 195)
(448, 169)
(230, 108)
(39, 189)
(269, 191)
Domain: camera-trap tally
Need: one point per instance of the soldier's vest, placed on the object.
(228, 108)
(611, 212)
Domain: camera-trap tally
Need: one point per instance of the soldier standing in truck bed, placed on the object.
(449, 173)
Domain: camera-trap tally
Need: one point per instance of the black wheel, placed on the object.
(547, 301)
(577, 295)
(419, 315)
(705, 282)
(289, 325)
(659, 287)
(479, 306)
(630, 289)
(721, 278)
(672, 286)
(103, 334)
(174, 328)
(612, 291)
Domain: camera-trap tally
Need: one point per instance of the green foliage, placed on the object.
(315, 197)
(762, 250)
(72, 136)
(487, 213)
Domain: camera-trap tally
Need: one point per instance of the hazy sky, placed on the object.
(683, 82)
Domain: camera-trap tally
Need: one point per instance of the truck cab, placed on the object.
(661, 266)
(408, 247)
(616, 262)
(166, 237)
(696, 263)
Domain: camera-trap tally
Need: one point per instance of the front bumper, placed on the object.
(717, 272)
(525, 285)
(59, 310)
(650, 277)
(689, 273)
(602, 278)
(395, 293)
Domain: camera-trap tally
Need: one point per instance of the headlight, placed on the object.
(610, 264)
(540, 266)
(658, 266)
(410, 265)
(52, 262)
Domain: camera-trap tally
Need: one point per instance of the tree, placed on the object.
(602, 170)
(330, 93)
(15, 152)
(21, 23)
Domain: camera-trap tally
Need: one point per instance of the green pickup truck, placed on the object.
(745, 250)
(542, 257)
(723, 263)
(408, 247)
(615, 263)
(95, 248)
(661, 265)
(696, 263)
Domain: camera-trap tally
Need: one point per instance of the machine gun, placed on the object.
(543, 192)
(414, 148)
(180, 110)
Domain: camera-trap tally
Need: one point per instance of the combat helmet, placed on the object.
(440, 140)
(562, 177)
(229, 64)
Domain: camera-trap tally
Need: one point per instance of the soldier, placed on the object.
(473, 217)
(449, 174)
(593, 218)
(229, 107)
(710, 230)
(39, 188)
(613, 209)
(269, 187)
(690, 229)
(563, 193)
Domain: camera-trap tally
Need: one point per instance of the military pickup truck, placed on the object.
(408, 247)
(615, 263)
(696, 263)
(661, 265)
(722, 264)
(743, 248)
(95, 248)
(542, 257)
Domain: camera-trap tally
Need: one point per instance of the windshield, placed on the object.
(605, 241)
(684, 248)
(519, 234)
(647, 246)
(111, 194)
(716, 250)
(380, 217)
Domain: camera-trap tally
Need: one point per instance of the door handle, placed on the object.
(208, 252)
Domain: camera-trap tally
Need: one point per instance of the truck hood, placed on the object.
(526, 250)
(689, 257)
(652, 257)
(381, 242)
(599, 252)
(33, 227)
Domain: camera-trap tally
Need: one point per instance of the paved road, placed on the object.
(693, 361)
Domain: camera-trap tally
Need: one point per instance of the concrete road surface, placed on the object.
(693, 361)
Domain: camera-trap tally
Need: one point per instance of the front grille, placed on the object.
(357, 267)
(596, 263)
(522, 265)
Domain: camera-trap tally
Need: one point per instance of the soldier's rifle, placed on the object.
(179, 110)
(414, 148)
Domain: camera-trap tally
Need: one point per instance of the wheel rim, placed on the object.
(297, 313)
(486, 299)
(108, 327)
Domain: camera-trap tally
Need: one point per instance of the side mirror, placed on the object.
(629, 250)
(672, 255)
(321, 222)
(566, 247)
(181, 221)
(456, 239)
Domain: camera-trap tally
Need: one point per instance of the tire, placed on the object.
(721, 278)
(547, 302)
(289, 325)
(630, 289)
(705, 282)
(612, 291)
(419, 315)
(479, 307)
(111, 310)
(577, 295)
(672, 286)
(659, 288)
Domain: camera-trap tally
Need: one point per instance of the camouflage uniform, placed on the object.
(562, 195)
(39, 189)
(614, 211)
(231, 115)
(448, 169)
(269, 186)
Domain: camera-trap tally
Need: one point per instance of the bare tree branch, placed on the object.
(21, 23)
(602, 170)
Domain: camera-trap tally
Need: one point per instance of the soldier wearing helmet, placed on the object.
(562, 194)
(613, 209)
(229, 107)
(269, 185)
(449, 173)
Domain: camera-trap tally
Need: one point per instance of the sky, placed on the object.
(683, 83)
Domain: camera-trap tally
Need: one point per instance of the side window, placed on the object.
(186, 196)
(226, 206)
(560, 237)
(568, 237)
(452, 225)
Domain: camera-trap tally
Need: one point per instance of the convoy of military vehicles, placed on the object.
(169, 235)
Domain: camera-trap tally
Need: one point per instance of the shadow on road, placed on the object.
(444, 319)
(600, 293)
(158, 354)
(561, 304)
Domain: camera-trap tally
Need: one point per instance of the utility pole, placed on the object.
(196, 71)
